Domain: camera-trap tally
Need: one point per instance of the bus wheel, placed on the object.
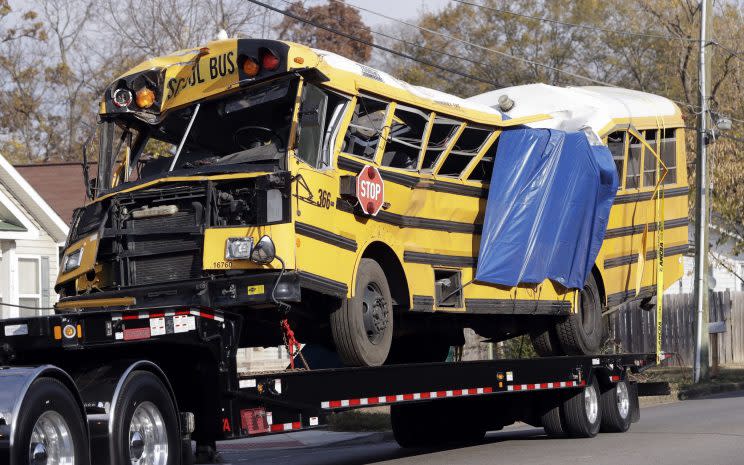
(582, 412)
(545, 342)
(616, 408)
(581, 332)
(50, 427)
(146, 427)
(362, 326)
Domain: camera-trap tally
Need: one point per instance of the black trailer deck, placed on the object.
(193, 351)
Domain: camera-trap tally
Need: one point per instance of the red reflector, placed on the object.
(254, 421)
(269, 61)
(136, 333)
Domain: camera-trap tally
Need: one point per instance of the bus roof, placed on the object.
(597, 107)
(194, 74)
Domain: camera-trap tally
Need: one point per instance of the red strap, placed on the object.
(290, 341)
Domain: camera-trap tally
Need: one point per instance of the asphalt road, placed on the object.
(706, 431)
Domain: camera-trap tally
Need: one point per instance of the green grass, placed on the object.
(680, 380)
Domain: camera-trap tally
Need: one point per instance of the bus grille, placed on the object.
(158, 269)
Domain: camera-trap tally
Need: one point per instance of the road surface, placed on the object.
(705, 431)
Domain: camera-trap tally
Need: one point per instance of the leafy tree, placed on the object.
(663, 60)
(336, 15)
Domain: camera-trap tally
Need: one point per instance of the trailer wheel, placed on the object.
(146, 427)
(415, 426)
(552, 421)
(616, 408)
(362, 326)
(581, 332)
(50, 427)
(582, 411)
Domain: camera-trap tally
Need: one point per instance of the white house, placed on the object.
(726, 267)
(31, 235)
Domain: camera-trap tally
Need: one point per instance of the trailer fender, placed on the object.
(14, 385)
(100, 389)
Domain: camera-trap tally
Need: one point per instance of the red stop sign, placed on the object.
(370, 190)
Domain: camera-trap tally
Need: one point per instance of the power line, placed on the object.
(370, 44)
(576, 25)
(731, 51)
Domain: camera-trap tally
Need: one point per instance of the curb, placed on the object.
(696, 393)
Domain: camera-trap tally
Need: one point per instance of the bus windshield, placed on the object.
(251, 127)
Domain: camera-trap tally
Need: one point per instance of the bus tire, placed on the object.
(582, 412)
(50, 409)
(362, 326)
(145, 424)
(546, 343)
(616, 408)
(581, 333)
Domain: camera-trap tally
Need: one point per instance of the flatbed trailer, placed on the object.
(114, 387)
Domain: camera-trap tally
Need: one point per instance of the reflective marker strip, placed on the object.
(390, 399)
(541, 386)
(286, 427)
(160, 314)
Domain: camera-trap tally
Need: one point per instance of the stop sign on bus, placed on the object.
(370, 190)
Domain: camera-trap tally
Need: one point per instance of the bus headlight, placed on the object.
(238, 248)
(264, 252)
(73, 260)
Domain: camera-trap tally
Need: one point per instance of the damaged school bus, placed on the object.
(275, 181)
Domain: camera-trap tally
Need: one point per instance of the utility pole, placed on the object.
(700, 369)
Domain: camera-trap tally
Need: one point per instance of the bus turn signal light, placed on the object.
(250, 67)
(269, 61)
(145, 97)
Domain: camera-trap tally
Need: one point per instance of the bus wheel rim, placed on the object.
(591, 404)
(148, 436)
(51, 441)
(374, 313)
(623, 400)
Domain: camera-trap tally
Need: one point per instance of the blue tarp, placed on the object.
(548, 205)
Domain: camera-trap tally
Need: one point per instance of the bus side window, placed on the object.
(442, 132)
(363, 136)
(468, 145)
(669, 154)
(484, 168)
(649, 159)
(616, 144)
(406, 138)
(633, 177)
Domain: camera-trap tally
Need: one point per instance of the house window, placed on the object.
(29, 285)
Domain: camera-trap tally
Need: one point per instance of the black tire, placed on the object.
(546, 343)
(616, 406)
(552, 420)
(581, 333)
(142, 388)
(414, 425)
(362, 326)
(45, 397)
(579, 422)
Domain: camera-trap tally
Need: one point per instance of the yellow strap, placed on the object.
(659, 271)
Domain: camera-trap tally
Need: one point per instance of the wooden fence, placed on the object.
(632, 329)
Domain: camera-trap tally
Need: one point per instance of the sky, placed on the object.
(401, 9)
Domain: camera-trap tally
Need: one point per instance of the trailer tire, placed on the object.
(552, 420)
(582, 411)
(415, 426)
(581, 333)
(145, 405)
(49, 409)
(362, 326)
(616, 406)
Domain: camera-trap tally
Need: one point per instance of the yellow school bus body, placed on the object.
(429, 222)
